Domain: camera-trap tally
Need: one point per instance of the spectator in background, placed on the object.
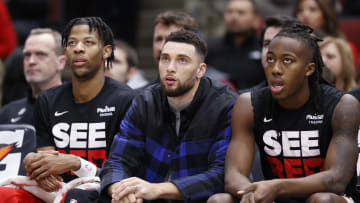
(237, 53)
(44, 61)
(168, 22)
(125, 66)
(8, 41)
(274, 7)
(319, 15)
(337, 56)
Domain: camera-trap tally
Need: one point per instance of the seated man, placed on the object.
(306, 131)
(79, 118)
(173, 140)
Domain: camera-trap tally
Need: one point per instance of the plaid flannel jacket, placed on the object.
(149, 148)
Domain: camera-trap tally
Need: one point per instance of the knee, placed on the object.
(322, 198)
(221, 198)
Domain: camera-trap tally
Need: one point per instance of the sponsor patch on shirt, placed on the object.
(106, 111)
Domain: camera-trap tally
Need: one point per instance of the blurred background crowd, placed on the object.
(338, 21)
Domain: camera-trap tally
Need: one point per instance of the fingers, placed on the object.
(39, 173)
(251, 188)
(48, 185)
(132, 198)
(248, 198)
(120, 194)
(30, 158)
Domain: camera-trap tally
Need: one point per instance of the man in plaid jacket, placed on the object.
(173, 140)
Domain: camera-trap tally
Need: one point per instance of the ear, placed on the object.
(310, 68)
(107, 50)
(61, 63)
(131, 72)
(201, 70)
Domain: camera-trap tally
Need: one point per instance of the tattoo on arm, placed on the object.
(345, 125)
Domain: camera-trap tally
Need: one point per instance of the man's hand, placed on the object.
(43, 164)
(263, 191)
(130, 198)
(142, 190)
(50, 183)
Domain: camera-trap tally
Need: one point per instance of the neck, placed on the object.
(37, 89)
(86, 90)
(185, 98)
(298, 99)
(238, 40)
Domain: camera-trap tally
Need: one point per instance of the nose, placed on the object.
(79, 47)
(171, 68)
(31, 59)
(276, 70)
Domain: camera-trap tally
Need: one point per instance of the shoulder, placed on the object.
(118, 89)
(53, 91)
(346, 112)
(13, 106)
(356, 93)
(16, 103)
(220, 89)
(243, 110)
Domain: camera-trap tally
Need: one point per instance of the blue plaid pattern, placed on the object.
(148, 147)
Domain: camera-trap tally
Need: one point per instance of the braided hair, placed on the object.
(306, 35)
(97, 24)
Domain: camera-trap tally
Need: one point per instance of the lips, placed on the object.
(79, 61)
(170, 80)
(276, 86)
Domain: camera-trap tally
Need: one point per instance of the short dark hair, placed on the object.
(131, 55)
(178, 18)
(94, 23)
(189, 37)
(281, 21)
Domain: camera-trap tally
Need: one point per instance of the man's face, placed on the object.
(288, 65)
(85, 52)
(269, 34)
(161, 32)
(179, 68)
(239, 16)
(41, 64)
(120, 67)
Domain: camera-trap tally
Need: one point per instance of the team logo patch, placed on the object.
(73, 201)
(315, 119)
(4, 150)
(106, 111)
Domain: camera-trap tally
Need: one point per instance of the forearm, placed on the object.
(326, 181)
(235, 181)
(169, 191)
(201, 185)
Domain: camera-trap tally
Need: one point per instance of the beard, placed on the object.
(178, 91)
